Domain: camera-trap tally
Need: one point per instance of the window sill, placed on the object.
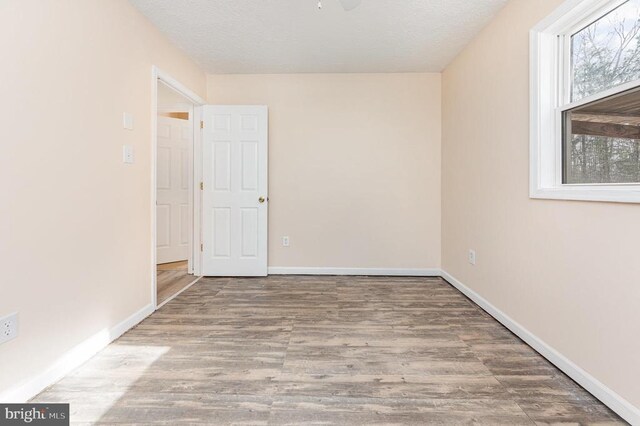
(625, 194)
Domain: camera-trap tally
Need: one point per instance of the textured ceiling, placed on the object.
(293, 36)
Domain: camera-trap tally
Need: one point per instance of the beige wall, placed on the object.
(567, 271)
(74, 220)
(354, 166)
(355, 181)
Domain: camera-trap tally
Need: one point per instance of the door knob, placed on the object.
(261, 200)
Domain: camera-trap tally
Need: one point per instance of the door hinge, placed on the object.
(201, 124)
(201, 247)
(201, 186)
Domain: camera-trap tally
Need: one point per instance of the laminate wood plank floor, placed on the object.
(171, 279)
(181, 265)
(322, 350)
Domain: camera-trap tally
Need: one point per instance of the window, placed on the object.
(585, 102)
(602, 141)
(606, 53)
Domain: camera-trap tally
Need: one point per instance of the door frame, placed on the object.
(157, 76)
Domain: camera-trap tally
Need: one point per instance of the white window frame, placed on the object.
(550, 73)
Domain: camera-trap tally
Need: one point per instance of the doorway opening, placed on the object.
(175, 218)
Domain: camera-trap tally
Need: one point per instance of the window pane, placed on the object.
(602, 141)
(607, 52)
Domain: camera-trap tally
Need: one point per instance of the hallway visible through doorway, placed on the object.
(173, 278)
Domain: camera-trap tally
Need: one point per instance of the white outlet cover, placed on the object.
(285, 241)
(8, 327)
(472, 257)
(127, 154)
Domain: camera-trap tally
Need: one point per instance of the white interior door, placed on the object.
(172, 202)
(234, 194)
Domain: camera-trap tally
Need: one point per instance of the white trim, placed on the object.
(622, 194)
(416, 272)
(166, 78)
(196, 264)
(73, 359)
(548, 99)
(178, 292)
(616, 90)
(621, 406)
(158, 75)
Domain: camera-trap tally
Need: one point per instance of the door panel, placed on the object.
(249, 231)
(185, 222)
(222, 166)
(234, 219)
(164, 167)
(221, 232)
(163, 218)
(172, 203)
(184, 167)
(249, 166)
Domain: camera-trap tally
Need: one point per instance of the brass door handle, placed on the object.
(261, 200)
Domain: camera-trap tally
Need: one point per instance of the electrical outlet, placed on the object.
(285, 241)
(127, 154)
(472, 257)
(8, 327)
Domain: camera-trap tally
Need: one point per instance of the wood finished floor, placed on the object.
(172, 278)
(181, 265)
(322, 350)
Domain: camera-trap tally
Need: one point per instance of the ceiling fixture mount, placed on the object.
(347, 5)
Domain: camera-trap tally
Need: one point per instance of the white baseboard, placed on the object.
(621, 406)
(72, 359)
(414, 272)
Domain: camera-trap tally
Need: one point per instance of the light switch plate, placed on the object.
(127, 154)
(127, 120)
